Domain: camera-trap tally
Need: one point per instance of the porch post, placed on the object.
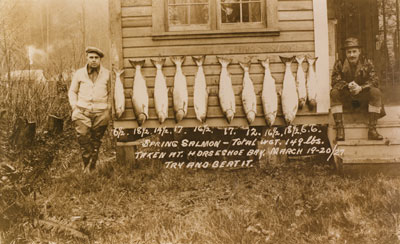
(321, 40)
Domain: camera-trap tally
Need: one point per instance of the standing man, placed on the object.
(355, 79)
(90, 99)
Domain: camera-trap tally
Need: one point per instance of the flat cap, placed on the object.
(351, 42)
(95, 50)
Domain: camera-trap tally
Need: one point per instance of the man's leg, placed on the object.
(82, 127)
(337, 111)
(374, 109)
(100, 123)
(85, 144)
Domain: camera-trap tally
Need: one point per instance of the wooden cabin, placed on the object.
(144, 29)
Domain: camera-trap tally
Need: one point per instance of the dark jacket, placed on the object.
(365, 74)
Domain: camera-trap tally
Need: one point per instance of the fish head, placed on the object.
(312, 104)
(229, 115)
(179, 115)
(141, 119)
(251, 116)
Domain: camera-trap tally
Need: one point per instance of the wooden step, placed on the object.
(390, 130)
(389, 165)
(370, 148)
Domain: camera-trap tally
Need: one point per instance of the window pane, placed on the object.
(178, 15)
(230, 12)
(199, 14)
(252, 12)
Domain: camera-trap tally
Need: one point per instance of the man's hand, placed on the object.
(354, 88)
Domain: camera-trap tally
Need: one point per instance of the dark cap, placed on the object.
(95, 50)
(351, 42)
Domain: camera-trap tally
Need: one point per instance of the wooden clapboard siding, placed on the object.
(296, 37)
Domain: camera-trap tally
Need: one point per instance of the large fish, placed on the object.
(301, 82)
(269, 96)
(180, 92)
(226, 94)
(119, 96)
(200, 94)
(290, 99)
(160, 91)
(249, 98)
(311, 83)
(140, 97)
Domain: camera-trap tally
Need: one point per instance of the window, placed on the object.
(213, 17)
(188, 14)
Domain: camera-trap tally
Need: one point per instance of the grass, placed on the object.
(297, 202)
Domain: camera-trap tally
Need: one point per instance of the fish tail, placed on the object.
(224, 61)
(300, 59)
(265, 62)
(246, 65)
(199, 59)
(118, 72)
(178, 59)
(136, 62)
(311, 61)
(158, 62)
(287, 59)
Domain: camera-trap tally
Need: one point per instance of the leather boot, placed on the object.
(86, 149)
(338, 117)
(96, 136)
(372, 133)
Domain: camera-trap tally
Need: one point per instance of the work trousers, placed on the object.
(90, 127)
(372, 96)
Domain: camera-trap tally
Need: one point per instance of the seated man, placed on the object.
(355, 80)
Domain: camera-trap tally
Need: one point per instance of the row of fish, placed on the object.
(294, 93)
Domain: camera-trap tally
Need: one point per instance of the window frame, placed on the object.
(268, 26)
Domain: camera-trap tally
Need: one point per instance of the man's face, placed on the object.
(353, 54)
(93, 60)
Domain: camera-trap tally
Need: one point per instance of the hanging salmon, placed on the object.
(226, 94)
(301, 82)
(119, 96)
(290, 100)
(269, 96)
(180, 92)
(160, 91)
(311, 83)
(249, 99)
(200, 94)
(140, 97)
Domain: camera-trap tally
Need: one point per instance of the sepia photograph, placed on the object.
(200, 121)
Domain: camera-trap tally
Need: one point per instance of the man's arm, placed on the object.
(372, 77)
(337, 80)
(73, 91)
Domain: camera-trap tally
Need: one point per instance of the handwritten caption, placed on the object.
(226, 147)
